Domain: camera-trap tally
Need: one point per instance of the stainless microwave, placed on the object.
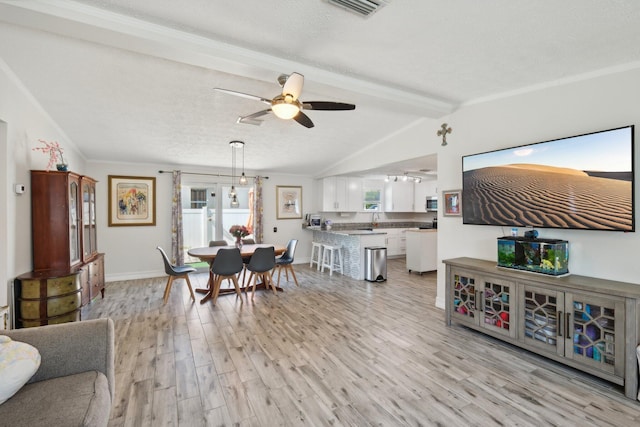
(431, 204)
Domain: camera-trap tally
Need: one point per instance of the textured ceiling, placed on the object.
(132, 80)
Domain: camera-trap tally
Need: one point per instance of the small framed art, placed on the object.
(452, 203)
(132, 200)
(288, 202)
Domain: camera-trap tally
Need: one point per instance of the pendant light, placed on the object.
(232, 194)
(243, 177)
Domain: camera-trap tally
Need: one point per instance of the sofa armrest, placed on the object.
(72, 348)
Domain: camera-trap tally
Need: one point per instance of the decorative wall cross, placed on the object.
(443, 133)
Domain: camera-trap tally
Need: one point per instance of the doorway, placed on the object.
(207, 213)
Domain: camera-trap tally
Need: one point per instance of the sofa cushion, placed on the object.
(18, 362)
(75, 400)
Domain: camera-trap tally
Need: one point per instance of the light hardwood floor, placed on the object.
(332, 352)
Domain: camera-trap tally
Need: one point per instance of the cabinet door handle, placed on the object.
(567, 316)
(560, 326)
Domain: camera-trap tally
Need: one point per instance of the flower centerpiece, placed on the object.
(54, 150)
(239, 231)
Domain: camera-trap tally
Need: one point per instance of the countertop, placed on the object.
(355, 232)
(375, 231)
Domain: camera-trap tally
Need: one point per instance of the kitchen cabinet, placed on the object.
(422, 190)
(342, 194)
(587, 323)
(396, 241)
(421, 250)
(398, 196)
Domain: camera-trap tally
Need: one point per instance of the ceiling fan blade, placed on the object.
(327, 106)
(243, 95)
(303, 119)
(253, 119)
(293, 85)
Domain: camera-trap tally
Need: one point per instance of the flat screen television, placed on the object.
(581, 182)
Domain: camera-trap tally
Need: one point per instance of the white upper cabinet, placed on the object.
(342, 194)
(423, 190)
(355, 194)
(398, 196)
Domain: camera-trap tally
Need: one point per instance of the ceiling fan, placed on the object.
(287, 105)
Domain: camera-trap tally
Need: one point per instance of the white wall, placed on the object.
(559, 111)
(130, 252)
(22, 123)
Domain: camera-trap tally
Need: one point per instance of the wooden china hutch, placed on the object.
(68, 270)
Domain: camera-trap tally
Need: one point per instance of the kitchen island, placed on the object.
(353, 243)
(422, 250)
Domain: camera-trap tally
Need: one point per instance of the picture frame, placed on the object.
(452, 203)
(288, 202)
(132, 201)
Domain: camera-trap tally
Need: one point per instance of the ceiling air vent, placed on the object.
(361, 7)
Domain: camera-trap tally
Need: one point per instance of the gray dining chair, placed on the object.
(226, 265)
(246, 259)
(285, 262)
(213, 243)
(175, 271)
(262, 262)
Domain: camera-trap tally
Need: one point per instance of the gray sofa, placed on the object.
(74, 385)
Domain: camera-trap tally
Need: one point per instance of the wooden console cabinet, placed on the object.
(587, 323)
(64, 237)
(47, 298)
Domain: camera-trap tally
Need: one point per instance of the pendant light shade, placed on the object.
(233, 195)
(243, 177)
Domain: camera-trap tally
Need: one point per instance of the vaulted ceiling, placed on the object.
(132, 81)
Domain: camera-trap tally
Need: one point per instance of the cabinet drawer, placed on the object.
(95, 269)
(30, 309)
(31, 289)
(71, 317)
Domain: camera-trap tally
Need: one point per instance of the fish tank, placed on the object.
(545, 256)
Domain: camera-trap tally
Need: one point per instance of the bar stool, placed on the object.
(330, 260)
(318, 254)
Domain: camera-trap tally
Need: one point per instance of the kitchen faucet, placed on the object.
(375, 217)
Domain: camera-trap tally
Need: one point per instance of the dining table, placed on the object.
(208, 254)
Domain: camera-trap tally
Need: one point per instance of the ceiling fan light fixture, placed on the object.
(285, 107)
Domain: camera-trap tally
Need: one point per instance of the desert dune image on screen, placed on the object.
(582, 182)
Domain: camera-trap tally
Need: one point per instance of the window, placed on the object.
(372, 199)
(198, 198)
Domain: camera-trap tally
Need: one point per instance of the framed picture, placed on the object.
(452, 201)
(132, 200)
(288, 202)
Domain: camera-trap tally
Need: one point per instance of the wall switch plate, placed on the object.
(20, 188)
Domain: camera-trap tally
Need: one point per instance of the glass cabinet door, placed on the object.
(88, 219)
(74, 230)
(92, 218)
(597, 332)
(541, 318)
(497, 310)
(464, 298)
